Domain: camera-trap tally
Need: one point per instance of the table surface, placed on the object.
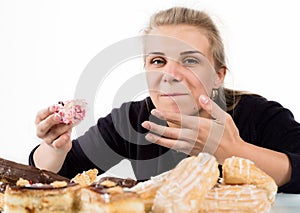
(286, 203)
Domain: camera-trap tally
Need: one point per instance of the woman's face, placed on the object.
(179, 68)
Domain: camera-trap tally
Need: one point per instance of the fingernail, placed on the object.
(149, 137)
(204, 99)
(52, 109)
(156, 112)
(57, 117)
(146, 125)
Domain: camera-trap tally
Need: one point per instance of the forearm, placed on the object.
(275, 164)
(48, 158)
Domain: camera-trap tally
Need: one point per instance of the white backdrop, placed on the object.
(45, 45)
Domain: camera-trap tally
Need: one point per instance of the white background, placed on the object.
(45, 45)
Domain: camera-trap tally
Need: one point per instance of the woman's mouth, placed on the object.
(172, 94)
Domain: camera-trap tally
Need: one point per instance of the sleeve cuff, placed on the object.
(294, 185)
(30, 159)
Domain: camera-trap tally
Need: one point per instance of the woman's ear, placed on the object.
(219, 80)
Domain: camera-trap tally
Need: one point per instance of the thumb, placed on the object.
(212, 109)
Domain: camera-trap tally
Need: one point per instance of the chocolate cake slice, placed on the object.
(109, 194)
(41, 198)
(10, 172)
(28, 189)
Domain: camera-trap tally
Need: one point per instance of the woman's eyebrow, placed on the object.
(191, 52)
(156, 53)
(182, 53)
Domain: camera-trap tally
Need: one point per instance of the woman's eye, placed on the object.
(157, 61)
(190, 61)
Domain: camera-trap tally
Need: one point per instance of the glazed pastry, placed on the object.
(243, 171)
(187, 184)
(147, 189)
(236, 198)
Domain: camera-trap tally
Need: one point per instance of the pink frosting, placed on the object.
(72, 111)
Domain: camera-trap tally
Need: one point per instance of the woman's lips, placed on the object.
(172, 94)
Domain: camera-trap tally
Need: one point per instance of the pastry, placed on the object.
(110, 195)
(187, 184)
(192, 186)
(2, 189)
(72, 111)
(80, 194)
(238, 170)
(10, 172)
(147, 189)
(235, 198)
(86, 178)
(127, 183)
(37, 197)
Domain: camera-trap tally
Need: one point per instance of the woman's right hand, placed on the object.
(54, 133)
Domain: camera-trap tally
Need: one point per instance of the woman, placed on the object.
(185, 64)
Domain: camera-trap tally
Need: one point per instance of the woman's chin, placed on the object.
(183, 105)
(184, 110)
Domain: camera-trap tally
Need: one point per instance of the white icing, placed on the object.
(106, 197)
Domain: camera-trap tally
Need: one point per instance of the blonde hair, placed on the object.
(227, 98)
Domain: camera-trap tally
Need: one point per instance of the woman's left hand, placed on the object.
(217, 134)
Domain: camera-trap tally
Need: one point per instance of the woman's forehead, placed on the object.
(170, 40)
(172, 48)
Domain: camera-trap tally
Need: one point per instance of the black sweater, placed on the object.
(120, 136)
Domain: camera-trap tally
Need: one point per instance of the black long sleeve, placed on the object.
(120, 136)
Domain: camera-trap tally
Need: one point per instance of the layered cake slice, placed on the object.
(110, 195)
(38, 194)
(58, 196)
(2, 190)
(11, 172)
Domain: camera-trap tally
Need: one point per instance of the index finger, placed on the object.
(181, 120)
(213, 109)
(43, 114)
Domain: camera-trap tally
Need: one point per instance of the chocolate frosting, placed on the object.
(128, 182)
(2, 187)
(124, 183)
(10, 172)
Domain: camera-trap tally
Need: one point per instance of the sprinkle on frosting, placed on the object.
(72, 111)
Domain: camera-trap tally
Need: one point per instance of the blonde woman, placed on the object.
(185, 65)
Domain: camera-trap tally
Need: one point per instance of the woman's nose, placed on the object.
(172, 72)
